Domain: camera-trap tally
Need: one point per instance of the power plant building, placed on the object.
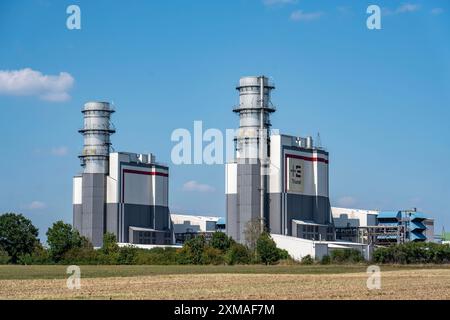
(279, 180)
(382, 227)
(118, 192)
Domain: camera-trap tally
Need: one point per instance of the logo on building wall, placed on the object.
(295, 175)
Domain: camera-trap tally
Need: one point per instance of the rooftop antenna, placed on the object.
(318, 141)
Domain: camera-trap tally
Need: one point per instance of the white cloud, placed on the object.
(36, 205)
(60, 151)
(278, 2)
(437, 11)
(198, 187)
(299, 15)
(28, 82)
(404, 8)
(408, 7)
(346, 201)
(344, 9)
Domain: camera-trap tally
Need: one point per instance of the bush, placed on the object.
(127, 255)
(39, 256)
(110, 245)
(4, 257)
(346, 256)
(82, 256)
(307, 260)
(109, 253)
(238, 254)
(212, 256)
(284, 255)
(325, 259)
(288, 262)
(220, 241)
(267, 250)
(413, 252)
(192, 251)
(157, 256)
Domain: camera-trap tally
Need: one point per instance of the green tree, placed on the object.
(267, 250)
(252, 232)
(110, 243)
(307, 260)
(212, 256)
(61, 237)
(220, 241)
(18, 236)
(39, 256)
(4, 256)
(192, 251)
(110, 251)
(127, 255)
(85, 254)
(238, 254)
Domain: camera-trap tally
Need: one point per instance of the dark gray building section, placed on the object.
(308, 208)
(162, 217)
(77, 216)
(93, 207)
(248, 197)
(112, 218)
(298, 207)
(144, 216)
(314, 209)
(149, 236)
(275, 210)
(232, 219)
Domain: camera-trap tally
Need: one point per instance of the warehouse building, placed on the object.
(119, 192)
(186, 227)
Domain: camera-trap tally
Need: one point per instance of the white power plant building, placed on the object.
(279, 180)
(119, 192)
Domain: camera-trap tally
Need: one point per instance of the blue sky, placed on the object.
(379, 98)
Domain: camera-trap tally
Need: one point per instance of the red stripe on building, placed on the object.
(312, 159)
(147, 173)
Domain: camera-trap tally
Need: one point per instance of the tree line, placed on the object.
(19, 244)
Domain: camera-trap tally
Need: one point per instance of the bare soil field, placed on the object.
(420, 284)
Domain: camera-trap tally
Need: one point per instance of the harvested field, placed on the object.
(431, 283)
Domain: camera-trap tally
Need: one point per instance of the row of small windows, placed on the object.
(310, 228)
(311, 232)
(149, 237)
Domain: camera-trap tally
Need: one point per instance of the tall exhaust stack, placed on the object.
(89, 217)
(252, 149)
(96, 131)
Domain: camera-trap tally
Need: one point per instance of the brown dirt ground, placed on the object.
(405, 284)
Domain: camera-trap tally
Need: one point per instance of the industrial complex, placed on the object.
(119, 192)
(279, 182)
